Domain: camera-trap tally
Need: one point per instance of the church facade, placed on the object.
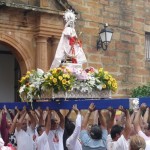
(30, 32)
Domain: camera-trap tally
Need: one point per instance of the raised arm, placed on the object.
(68, 114)
(137, 119)
(74, 136)
(127, 129)
(102, 120)
(95, 120)
(48, 122)
(32, 119)
(87, 116)
(13, 126)
(20, 121)
(112, 118)
(11, 114)
(4, 130)
(62, 120)
(146, 116)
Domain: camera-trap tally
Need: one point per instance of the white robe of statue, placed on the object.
(64, 48)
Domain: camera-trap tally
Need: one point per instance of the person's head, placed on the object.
(54, 124)
(40, 129)
(9, 123)
(147, 129)
(69, 127)
(96, 132)
(24, 125)
(137, 143)
(116, 132)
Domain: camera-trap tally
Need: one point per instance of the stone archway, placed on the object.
(19, 51)
(14, 63)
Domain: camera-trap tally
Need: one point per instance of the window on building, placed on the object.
(147, 45)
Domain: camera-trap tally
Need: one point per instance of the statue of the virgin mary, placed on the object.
(69, 49)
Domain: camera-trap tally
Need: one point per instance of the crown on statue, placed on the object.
(69, 16)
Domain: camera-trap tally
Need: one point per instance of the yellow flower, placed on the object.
(68, 82)
(54, 71)
(110, 76)
(28, 72)
(60, 78)
(106, 72)
(27, 76)
(109, 82)
(68, 76)
(106, 77)
(64, 81)
(104, 86)
(113, 85)
(59, 68)
(22, 79)
(51, 77)
(64, 75)
(100, 70)
(55, 80)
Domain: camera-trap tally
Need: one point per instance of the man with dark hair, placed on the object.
(118, 137)
(116, 132)
(96, 132)
(40, 129)
(95, 139)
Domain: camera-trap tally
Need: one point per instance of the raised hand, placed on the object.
(110, 109)
(75, 108)
(91, 107)
(143, 106)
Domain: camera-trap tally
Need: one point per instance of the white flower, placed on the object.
(22, 88)
(40, 72)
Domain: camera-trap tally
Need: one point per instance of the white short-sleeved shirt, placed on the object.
(120, 144)
(73, 142)
(142, 134)
(42, 142)
(2, 147)
(55, 139)
(24, 140)
(147, 145)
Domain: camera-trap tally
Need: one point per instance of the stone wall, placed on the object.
(125, 57)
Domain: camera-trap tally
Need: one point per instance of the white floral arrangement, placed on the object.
(30, 85)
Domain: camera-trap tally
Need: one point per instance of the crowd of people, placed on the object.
(92, 130)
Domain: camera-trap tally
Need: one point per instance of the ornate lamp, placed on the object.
(105, 36)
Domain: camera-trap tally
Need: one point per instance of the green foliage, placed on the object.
(141, 91)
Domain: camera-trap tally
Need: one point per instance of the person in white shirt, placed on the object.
(55, 135)
(119, 136)
(2, 147)
(42, 139)
(137, 126)
(23, 133)
(73, 131)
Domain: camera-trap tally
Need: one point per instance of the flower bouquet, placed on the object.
(30, 85)
(67, 82)
(58, 79)
(106, 80)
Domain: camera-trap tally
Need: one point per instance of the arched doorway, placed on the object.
(10, 73)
